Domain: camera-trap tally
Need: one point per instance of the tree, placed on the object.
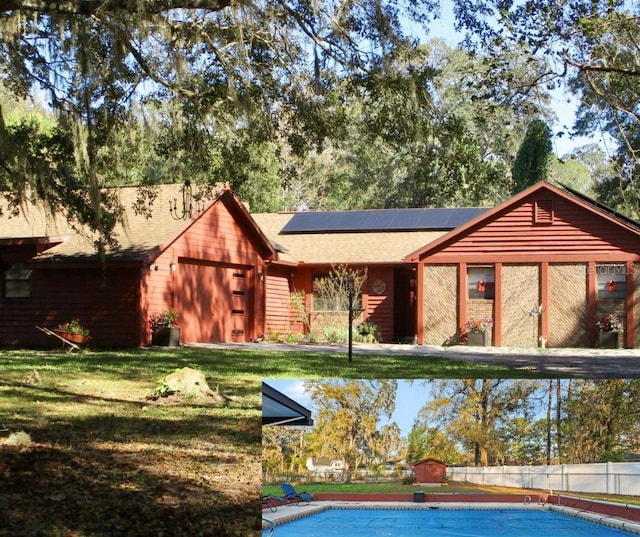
(349, 411)
(331, 292)
(587, 46)
(532, 161)
(473, 411)
(263, 70)
(429, 442)
(602, 420)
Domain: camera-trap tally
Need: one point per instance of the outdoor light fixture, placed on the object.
(153, 266)
(173, 266)
(187, 203)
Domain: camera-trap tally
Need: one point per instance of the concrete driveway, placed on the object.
(585, 363)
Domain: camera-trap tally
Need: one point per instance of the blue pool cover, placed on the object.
(442, 523)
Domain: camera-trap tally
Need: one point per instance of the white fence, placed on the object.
(607, 478)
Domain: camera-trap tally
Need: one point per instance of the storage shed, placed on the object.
(430, 471)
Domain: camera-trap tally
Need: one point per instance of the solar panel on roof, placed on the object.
(381, 220)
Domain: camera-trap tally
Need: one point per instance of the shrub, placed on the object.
(368, 332)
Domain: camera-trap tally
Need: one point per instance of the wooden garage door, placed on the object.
(213, 302)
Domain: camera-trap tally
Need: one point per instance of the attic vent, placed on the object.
(543, 212)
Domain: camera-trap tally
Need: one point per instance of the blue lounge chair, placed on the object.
(291, 494)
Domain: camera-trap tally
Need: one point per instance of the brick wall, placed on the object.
(568, 306)
(440, 304)
(481, 309)
(520, 292)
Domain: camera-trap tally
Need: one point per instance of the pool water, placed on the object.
(442, 523)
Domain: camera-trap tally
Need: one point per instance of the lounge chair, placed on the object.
(290, 493)
(269, 502)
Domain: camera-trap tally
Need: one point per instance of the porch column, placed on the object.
(497, 306)
(420, 303)
(628, 325)
(592, 281)
(544, 299)
(462, 296)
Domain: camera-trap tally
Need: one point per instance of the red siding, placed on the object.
(430, 471)
(280, 319)
(576, 233)
(208, 258)
(379, 305)
(105, 300)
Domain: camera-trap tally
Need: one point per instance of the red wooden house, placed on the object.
(547, 263)
(209, 266)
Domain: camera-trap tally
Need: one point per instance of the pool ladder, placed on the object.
(271, 526)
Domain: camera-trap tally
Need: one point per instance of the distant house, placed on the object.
(548, 264)
(323, 467)
(209, 266)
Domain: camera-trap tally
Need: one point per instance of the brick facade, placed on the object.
(568, 305)
(440, 304)
(520, 292)
(481, 309)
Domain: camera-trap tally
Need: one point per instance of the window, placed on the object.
(330, 293)
(17, 281)
(611, 281)
(481, 282)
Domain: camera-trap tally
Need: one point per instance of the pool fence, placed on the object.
(607, 478)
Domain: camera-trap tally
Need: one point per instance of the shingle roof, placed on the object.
(342, 247)
(138, 235)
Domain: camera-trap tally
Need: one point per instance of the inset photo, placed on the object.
(450, 456)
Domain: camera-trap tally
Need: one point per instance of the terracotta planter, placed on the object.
(608, 340)
(477, 339)
(78, 339)
(166, 337)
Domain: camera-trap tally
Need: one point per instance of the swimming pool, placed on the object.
(443, 523)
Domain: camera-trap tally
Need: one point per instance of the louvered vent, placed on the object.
(543, 212)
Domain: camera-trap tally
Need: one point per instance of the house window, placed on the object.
(611, 281)
(543, 212)
(481, 282)
(17, 281)
(331, 294)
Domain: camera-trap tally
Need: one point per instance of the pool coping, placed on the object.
(289, 513)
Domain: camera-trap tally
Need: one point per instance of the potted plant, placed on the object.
(477, 331)
(164, 330)
(609, 330)
(73, 331)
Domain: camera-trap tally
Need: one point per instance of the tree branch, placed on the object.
(92, 7)
(603, 68)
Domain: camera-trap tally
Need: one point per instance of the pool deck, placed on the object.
(288, 513)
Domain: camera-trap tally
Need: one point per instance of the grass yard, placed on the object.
(103, 460)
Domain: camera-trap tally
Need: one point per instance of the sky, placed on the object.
(411, 397)
(564, 105)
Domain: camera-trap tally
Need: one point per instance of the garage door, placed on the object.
(213, 302)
